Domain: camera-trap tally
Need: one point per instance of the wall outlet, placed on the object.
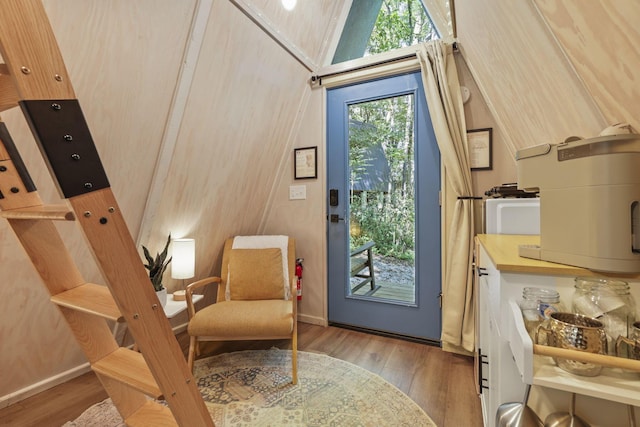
(297, 192)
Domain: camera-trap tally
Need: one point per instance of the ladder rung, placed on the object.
(151, 414)
(90, 298)
(128, 367)
(53, 212)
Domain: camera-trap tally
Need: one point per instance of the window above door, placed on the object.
(377, 26)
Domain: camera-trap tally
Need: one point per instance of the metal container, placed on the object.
(629, 347)
(575, 332)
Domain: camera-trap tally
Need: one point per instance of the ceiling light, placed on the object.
(289, 4)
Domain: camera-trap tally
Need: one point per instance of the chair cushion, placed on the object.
(238, 319)
(255, 274)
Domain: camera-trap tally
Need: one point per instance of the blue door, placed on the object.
(383, 211)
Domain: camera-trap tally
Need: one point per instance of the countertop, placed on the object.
(503, 251)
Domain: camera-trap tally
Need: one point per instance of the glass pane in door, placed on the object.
(382, 199)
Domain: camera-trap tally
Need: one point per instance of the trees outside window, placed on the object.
(381, 162)
(377, 26)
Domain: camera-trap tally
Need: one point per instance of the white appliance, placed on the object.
(590, 201)
(512, 216)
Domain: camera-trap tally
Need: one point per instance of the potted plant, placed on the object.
(157, 267)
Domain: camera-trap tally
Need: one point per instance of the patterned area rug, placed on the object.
(252, 388)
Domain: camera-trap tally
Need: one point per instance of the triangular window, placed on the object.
(376, 26)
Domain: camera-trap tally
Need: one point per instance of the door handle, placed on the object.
(335, 218)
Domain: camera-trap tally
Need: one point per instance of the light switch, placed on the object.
(297, 192)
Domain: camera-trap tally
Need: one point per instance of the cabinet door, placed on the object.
(479, 355)
(483, 340)
(500, 370)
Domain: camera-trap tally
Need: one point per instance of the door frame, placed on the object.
(360, 70)
(430, 137)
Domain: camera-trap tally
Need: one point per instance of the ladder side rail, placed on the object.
(16, 188)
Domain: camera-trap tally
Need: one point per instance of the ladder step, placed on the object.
(52, 212)
(152, 414)
(90, 298)
(129, 367)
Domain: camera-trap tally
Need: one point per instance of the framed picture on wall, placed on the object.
(480, 148)
(305, 163)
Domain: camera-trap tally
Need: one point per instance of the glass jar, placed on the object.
(536, 305)
(609, 301)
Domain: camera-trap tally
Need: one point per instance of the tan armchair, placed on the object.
(256, 297)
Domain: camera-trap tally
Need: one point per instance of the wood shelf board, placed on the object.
(129, 367)
(51, 212)
(152, 414)
(90, 298)
(612, 384)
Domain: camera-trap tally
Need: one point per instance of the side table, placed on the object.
(171, 309)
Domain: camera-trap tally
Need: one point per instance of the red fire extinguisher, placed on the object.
(299, 277)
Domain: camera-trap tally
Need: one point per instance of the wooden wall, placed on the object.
(196, 111)
(550, 69)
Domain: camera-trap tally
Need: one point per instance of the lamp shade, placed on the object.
(184, 258)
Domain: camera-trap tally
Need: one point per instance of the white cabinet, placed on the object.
(495, 360)
(500, 277)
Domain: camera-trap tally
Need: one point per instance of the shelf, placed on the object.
(172, 308)
(612, 384)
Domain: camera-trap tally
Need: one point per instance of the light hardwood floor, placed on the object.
(441, 383)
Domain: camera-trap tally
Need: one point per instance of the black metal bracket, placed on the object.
(480, 361)
(12, 150)
(66, 145)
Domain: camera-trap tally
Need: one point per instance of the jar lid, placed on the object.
(600, 283)
(542, 294)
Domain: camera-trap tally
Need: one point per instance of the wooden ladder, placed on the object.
(34, 77)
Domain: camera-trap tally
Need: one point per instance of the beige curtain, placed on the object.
(442, 90)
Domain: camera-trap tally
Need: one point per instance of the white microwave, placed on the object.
(512, 216)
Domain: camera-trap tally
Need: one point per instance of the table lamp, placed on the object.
(183, 263)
